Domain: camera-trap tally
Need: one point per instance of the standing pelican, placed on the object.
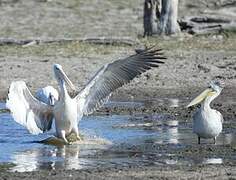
(207, 122)
(68, 111)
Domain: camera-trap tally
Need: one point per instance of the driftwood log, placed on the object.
(216, 18)
(206, 24)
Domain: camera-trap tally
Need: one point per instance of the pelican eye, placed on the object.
(57, 68)
(217, 83)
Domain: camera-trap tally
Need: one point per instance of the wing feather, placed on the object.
(114, 75)
(26, 110)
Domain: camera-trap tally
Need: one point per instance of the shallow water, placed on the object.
(121, 131)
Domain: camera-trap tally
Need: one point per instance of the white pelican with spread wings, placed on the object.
(37, 115)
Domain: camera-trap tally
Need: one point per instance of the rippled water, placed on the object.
(102, 134)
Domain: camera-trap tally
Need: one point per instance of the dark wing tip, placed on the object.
(152, 53)
(161, 62)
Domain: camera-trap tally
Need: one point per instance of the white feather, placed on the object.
(25, 109)
(207, 123)
(19, 107)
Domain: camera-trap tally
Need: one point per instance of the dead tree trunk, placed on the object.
(150, 16)
(160, 23)
(168, 20)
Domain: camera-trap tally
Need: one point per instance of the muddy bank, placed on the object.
(166, 172)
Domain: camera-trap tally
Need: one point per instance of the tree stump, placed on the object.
(160, 17)
(151, 12)
(168, 19)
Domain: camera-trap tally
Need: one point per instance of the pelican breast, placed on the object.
(207, 123)
(65, 113)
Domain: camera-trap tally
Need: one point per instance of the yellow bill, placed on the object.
(201, 97)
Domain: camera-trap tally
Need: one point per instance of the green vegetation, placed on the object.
(6, 166)
(58, 49)
(186, 43)
(4, 111)
(225, 42)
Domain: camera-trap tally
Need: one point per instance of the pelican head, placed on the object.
(52, 99)
(211, 92)
(61, 76)
(47, 95)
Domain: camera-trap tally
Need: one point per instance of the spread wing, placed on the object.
(35, 115)
(114, 75)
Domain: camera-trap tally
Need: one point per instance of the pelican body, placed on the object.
(37, 115)
(65, 111)
(207, 122)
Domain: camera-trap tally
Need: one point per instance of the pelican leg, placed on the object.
(62, 135)
(214, 140)
(78, 137)
(76, 131)
(199, 140)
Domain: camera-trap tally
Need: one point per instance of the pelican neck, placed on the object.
(206, 103)
(63, 89)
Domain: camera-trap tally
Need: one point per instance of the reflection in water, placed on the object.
(198, 160)
(202, 160)
(174, 102)
(44, 158)
(164, 128)
(212, 161)
(2, 106)
(25, 161)
(169, 133)
(19, 147)
(171, 161)
(50, 157)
